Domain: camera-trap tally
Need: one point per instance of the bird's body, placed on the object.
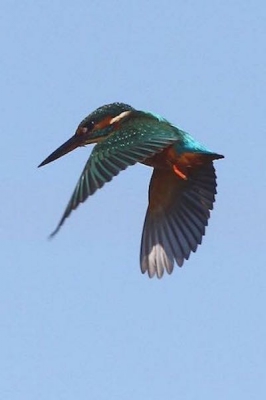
(182, 188)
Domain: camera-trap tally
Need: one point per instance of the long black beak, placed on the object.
(68, 146)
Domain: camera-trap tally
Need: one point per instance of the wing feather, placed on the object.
(178, 211)
(133, 142)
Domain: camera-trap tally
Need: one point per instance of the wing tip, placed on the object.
(156, 262)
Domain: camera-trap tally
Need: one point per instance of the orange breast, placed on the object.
(163, 187)
(170, 159)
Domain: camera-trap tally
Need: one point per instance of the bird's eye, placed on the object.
(85, 127)
(90, 125)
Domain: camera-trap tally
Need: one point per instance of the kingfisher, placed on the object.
(182, 187)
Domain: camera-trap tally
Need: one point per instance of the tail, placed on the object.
(176, 217)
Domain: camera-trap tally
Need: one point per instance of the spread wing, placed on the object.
(131, 143)
(176, 218)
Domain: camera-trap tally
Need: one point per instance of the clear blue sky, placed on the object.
(77, 318)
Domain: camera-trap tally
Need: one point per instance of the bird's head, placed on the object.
(94, 128)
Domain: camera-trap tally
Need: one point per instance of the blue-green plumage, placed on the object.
(182, 187)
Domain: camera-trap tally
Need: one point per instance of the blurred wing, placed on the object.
(177, 214)
(128, 145)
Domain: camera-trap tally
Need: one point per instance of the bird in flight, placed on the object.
(182, 187)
